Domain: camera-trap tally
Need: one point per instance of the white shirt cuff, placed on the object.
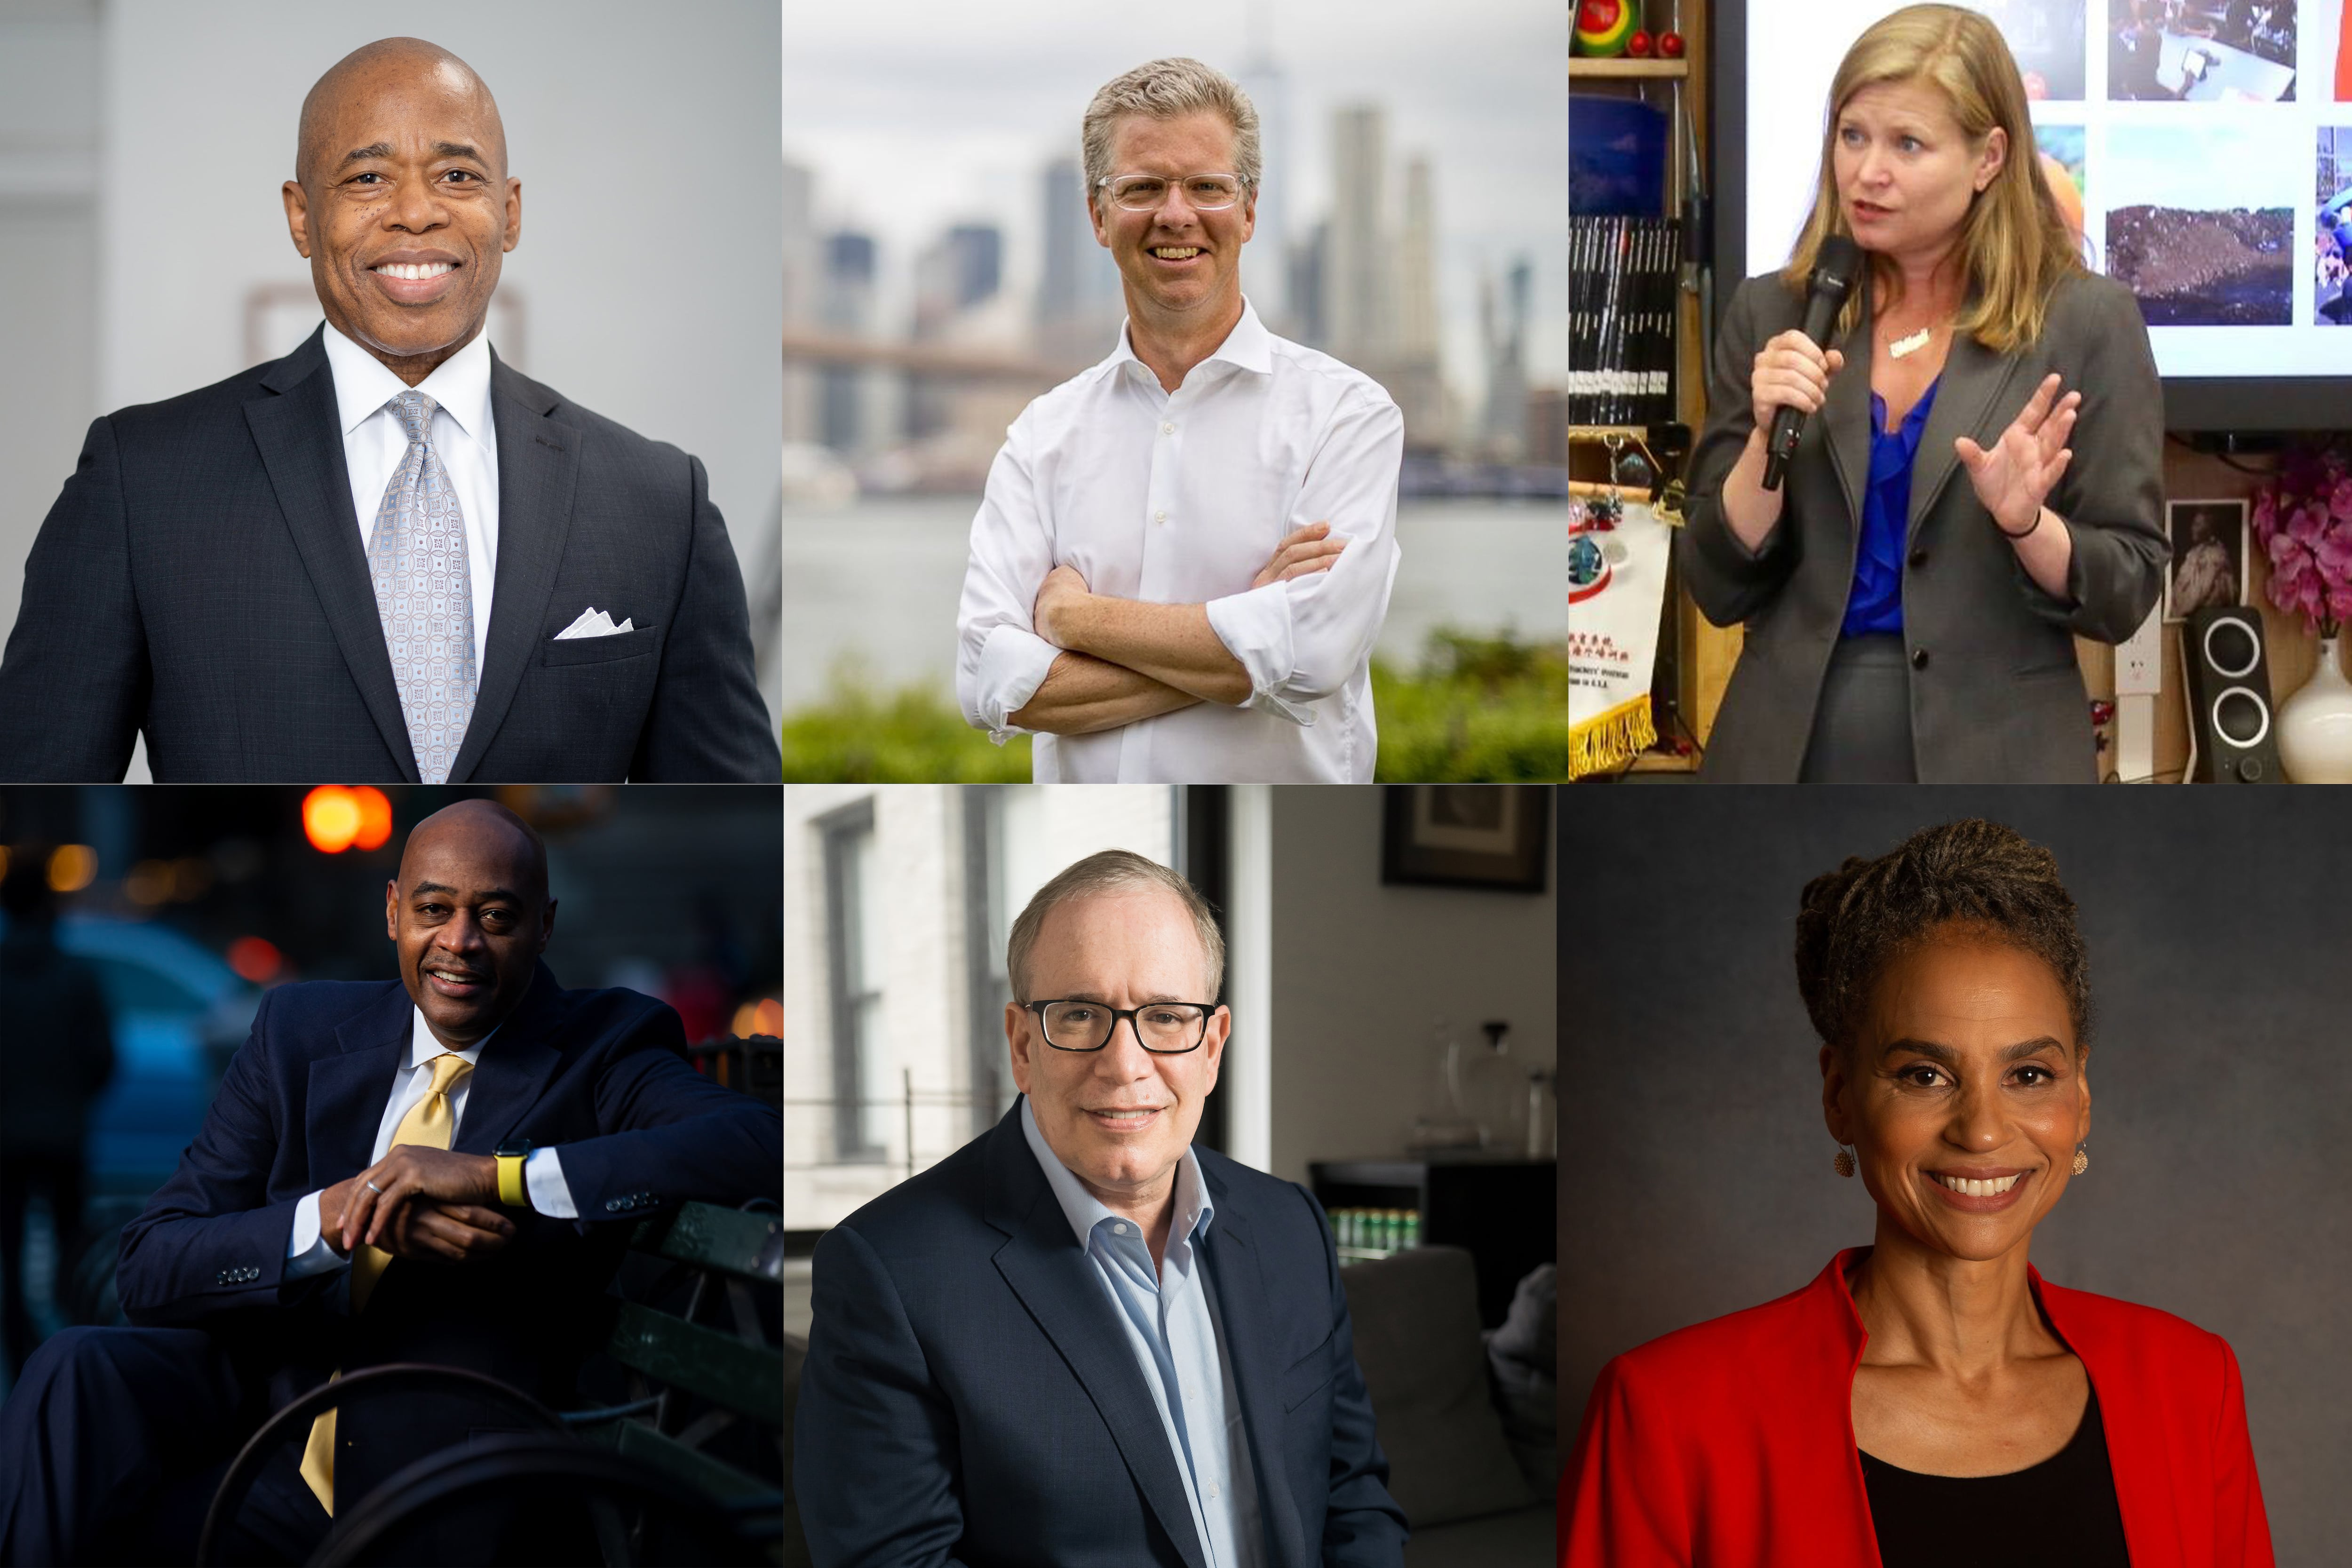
(543, 1184)
(1013, 664)
(1255, 628)
(306, 1252)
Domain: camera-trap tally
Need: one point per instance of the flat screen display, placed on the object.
(2207, 145)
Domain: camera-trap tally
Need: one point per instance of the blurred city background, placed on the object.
(188, 903)
(941, 271)
(141, 148)
(1394, 1050)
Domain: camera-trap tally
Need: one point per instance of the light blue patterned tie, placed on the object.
(423, 594)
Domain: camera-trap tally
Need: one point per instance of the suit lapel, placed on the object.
(350, 1088)
(513, 1069)
(300, 437)
(1053, 1279)
(539, 465)
(1246, 1316)
(1847, 410)
(1973, 376)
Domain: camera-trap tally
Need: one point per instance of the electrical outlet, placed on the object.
(2140, 660)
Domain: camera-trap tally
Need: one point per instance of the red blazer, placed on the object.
(1731, 1442)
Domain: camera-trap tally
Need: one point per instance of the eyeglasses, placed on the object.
(1145, 192)
(1163, 1028)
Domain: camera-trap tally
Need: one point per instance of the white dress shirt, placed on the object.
(1180, 498)
(1177, 1337)
(374, 443)
(307, 1251)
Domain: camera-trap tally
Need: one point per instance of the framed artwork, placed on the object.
(2208, 570)
(1465, 836)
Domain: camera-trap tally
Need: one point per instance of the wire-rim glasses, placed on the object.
(1162, 1028)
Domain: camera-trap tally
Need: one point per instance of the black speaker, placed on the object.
(2229, 709)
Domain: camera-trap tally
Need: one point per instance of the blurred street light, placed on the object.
(335, 819)
(72, 867)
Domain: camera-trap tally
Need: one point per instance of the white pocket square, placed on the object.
(595, 623)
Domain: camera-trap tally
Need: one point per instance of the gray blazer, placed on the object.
(1996, 695)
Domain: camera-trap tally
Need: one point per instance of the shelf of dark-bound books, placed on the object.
(1502, 1211)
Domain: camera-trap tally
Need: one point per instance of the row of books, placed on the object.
(1623, 294)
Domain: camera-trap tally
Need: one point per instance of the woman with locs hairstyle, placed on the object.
(1980, 478)
(1930, 1398)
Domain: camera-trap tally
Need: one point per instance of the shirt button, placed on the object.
(1919, 659)
(1918, 559)
(1160, 517)
(1168, 429)
(1213, 1492)
(1119, 1230)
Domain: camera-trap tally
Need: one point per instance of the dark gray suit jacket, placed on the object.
(202, 578)
(1996, 694)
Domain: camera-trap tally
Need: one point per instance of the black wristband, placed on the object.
(2023, 532)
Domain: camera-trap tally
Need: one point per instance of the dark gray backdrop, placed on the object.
(1695, 1170)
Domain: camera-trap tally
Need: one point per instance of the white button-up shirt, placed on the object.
(307, 1251)
(375, 442)
(1180, 498)
(1172, 1328)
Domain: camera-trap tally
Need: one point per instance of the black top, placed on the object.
(2061, 1512)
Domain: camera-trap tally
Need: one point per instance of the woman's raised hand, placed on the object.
(1792, 371)
(2017, 475)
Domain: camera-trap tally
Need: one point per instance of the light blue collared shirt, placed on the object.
(1177, 1337)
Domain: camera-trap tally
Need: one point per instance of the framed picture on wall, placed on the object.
(2209, 556)
(1465, 836)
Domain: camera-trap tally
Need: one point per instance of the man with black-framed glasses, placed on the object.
(1184, 554)
(1080, 1338)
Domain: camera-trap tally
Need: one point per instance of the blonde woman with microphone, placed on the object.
(1979, 477)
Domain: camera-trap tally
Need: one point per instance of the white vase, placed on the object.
(2314, 725)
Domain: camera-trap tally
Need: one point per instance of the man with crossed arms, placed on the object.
(1184, 554)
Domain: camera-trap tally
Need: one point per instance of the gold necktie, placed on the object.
(428, 1123)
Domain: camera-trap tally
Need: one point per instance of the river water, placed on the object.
(879, 581)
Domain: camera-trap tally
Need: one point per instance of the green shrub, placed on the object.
(1479, 709)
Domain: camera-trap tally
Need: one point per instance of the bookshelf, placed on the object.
(1701, 656)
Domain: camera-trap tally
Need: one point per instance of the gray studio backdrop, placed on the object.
(142, 147)
(1695, 1171)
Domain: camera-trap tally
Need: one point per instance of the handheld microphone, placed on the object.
(1834, 272)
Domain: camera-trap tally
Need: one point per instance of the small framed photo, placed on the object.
(1466, 836)
(2209, 556)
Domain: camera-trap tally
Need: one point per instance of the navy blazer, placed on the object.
(598, 1074)
(969, 1398)
(202, 577)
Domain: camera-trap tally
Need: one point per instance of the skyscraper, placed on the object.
(1266, 270)
(1359, 274)
(1503, 431)
(1079, 305)
(845, 306)
(802, 282)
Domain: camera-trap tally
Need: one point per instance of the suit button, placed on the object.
(1918, 559)
(1919, 659)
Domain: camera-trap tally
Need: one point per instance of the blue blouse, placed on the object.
(1876, 603)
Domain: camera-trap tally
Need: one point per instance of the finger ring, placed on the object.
(376, 1190)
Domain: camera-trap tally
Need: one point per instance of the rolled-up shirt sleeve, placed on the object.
(1000, 659)
(1305, 639)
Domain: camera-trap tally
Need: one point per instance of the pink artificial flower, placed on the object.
(2287, 557)
(2339, 501)
(2265, 507)
(2339, 604)
(2332, 553)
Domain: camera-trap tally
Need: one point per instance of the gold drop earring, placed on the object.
(1843, 1163)
(2081, 1159)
